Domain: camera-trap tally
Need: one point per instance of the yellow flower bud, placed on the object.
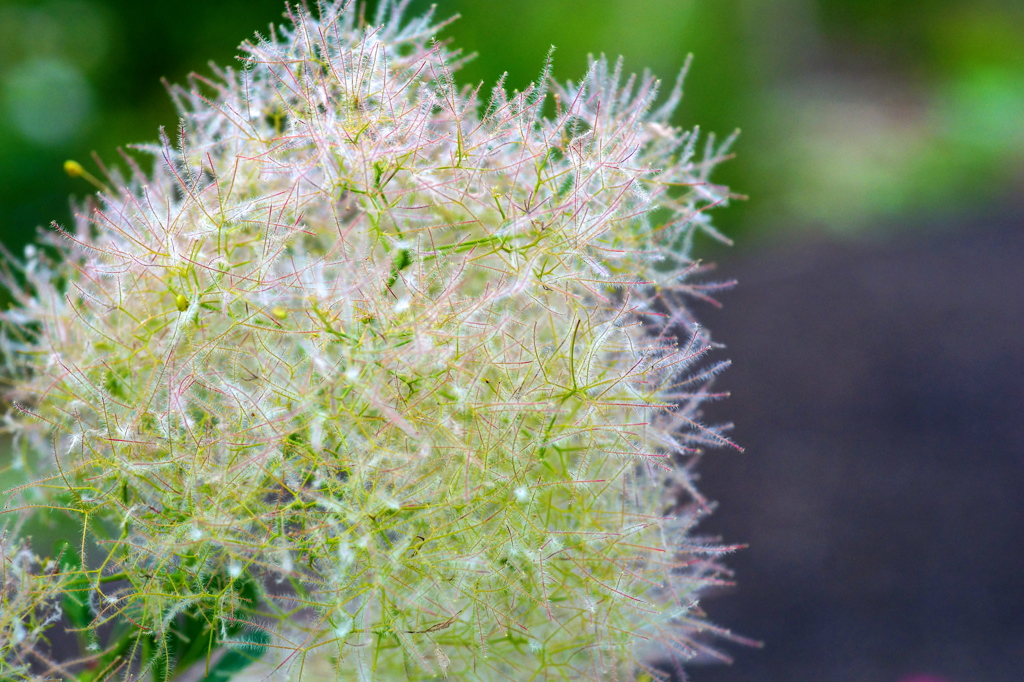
(73, 168)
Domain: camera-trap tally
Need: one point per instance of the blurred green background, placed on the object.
(855, 113)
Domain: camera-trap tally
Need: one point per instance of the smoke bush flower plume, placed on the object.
(372, 379)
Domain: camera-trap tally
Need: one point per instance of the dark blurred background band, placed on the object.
(879, 391)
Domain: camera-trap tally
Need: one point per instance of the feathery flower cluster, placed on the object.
(369, 378)
(29, 598)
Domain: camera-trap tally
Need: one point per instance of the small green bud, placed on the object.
(181, 303)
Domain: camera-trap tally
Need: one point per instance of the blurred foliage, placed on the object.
(854, 112)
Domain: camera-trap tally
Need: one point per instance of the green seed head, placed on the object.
(438, 405)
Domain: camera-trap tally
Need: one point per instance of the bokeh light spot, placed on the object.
(47, 101)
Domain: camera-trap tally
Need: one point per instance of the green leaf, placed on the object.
(76, 595)
(401, 262)
(194, 638)
(239, 657)
(158, 650)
